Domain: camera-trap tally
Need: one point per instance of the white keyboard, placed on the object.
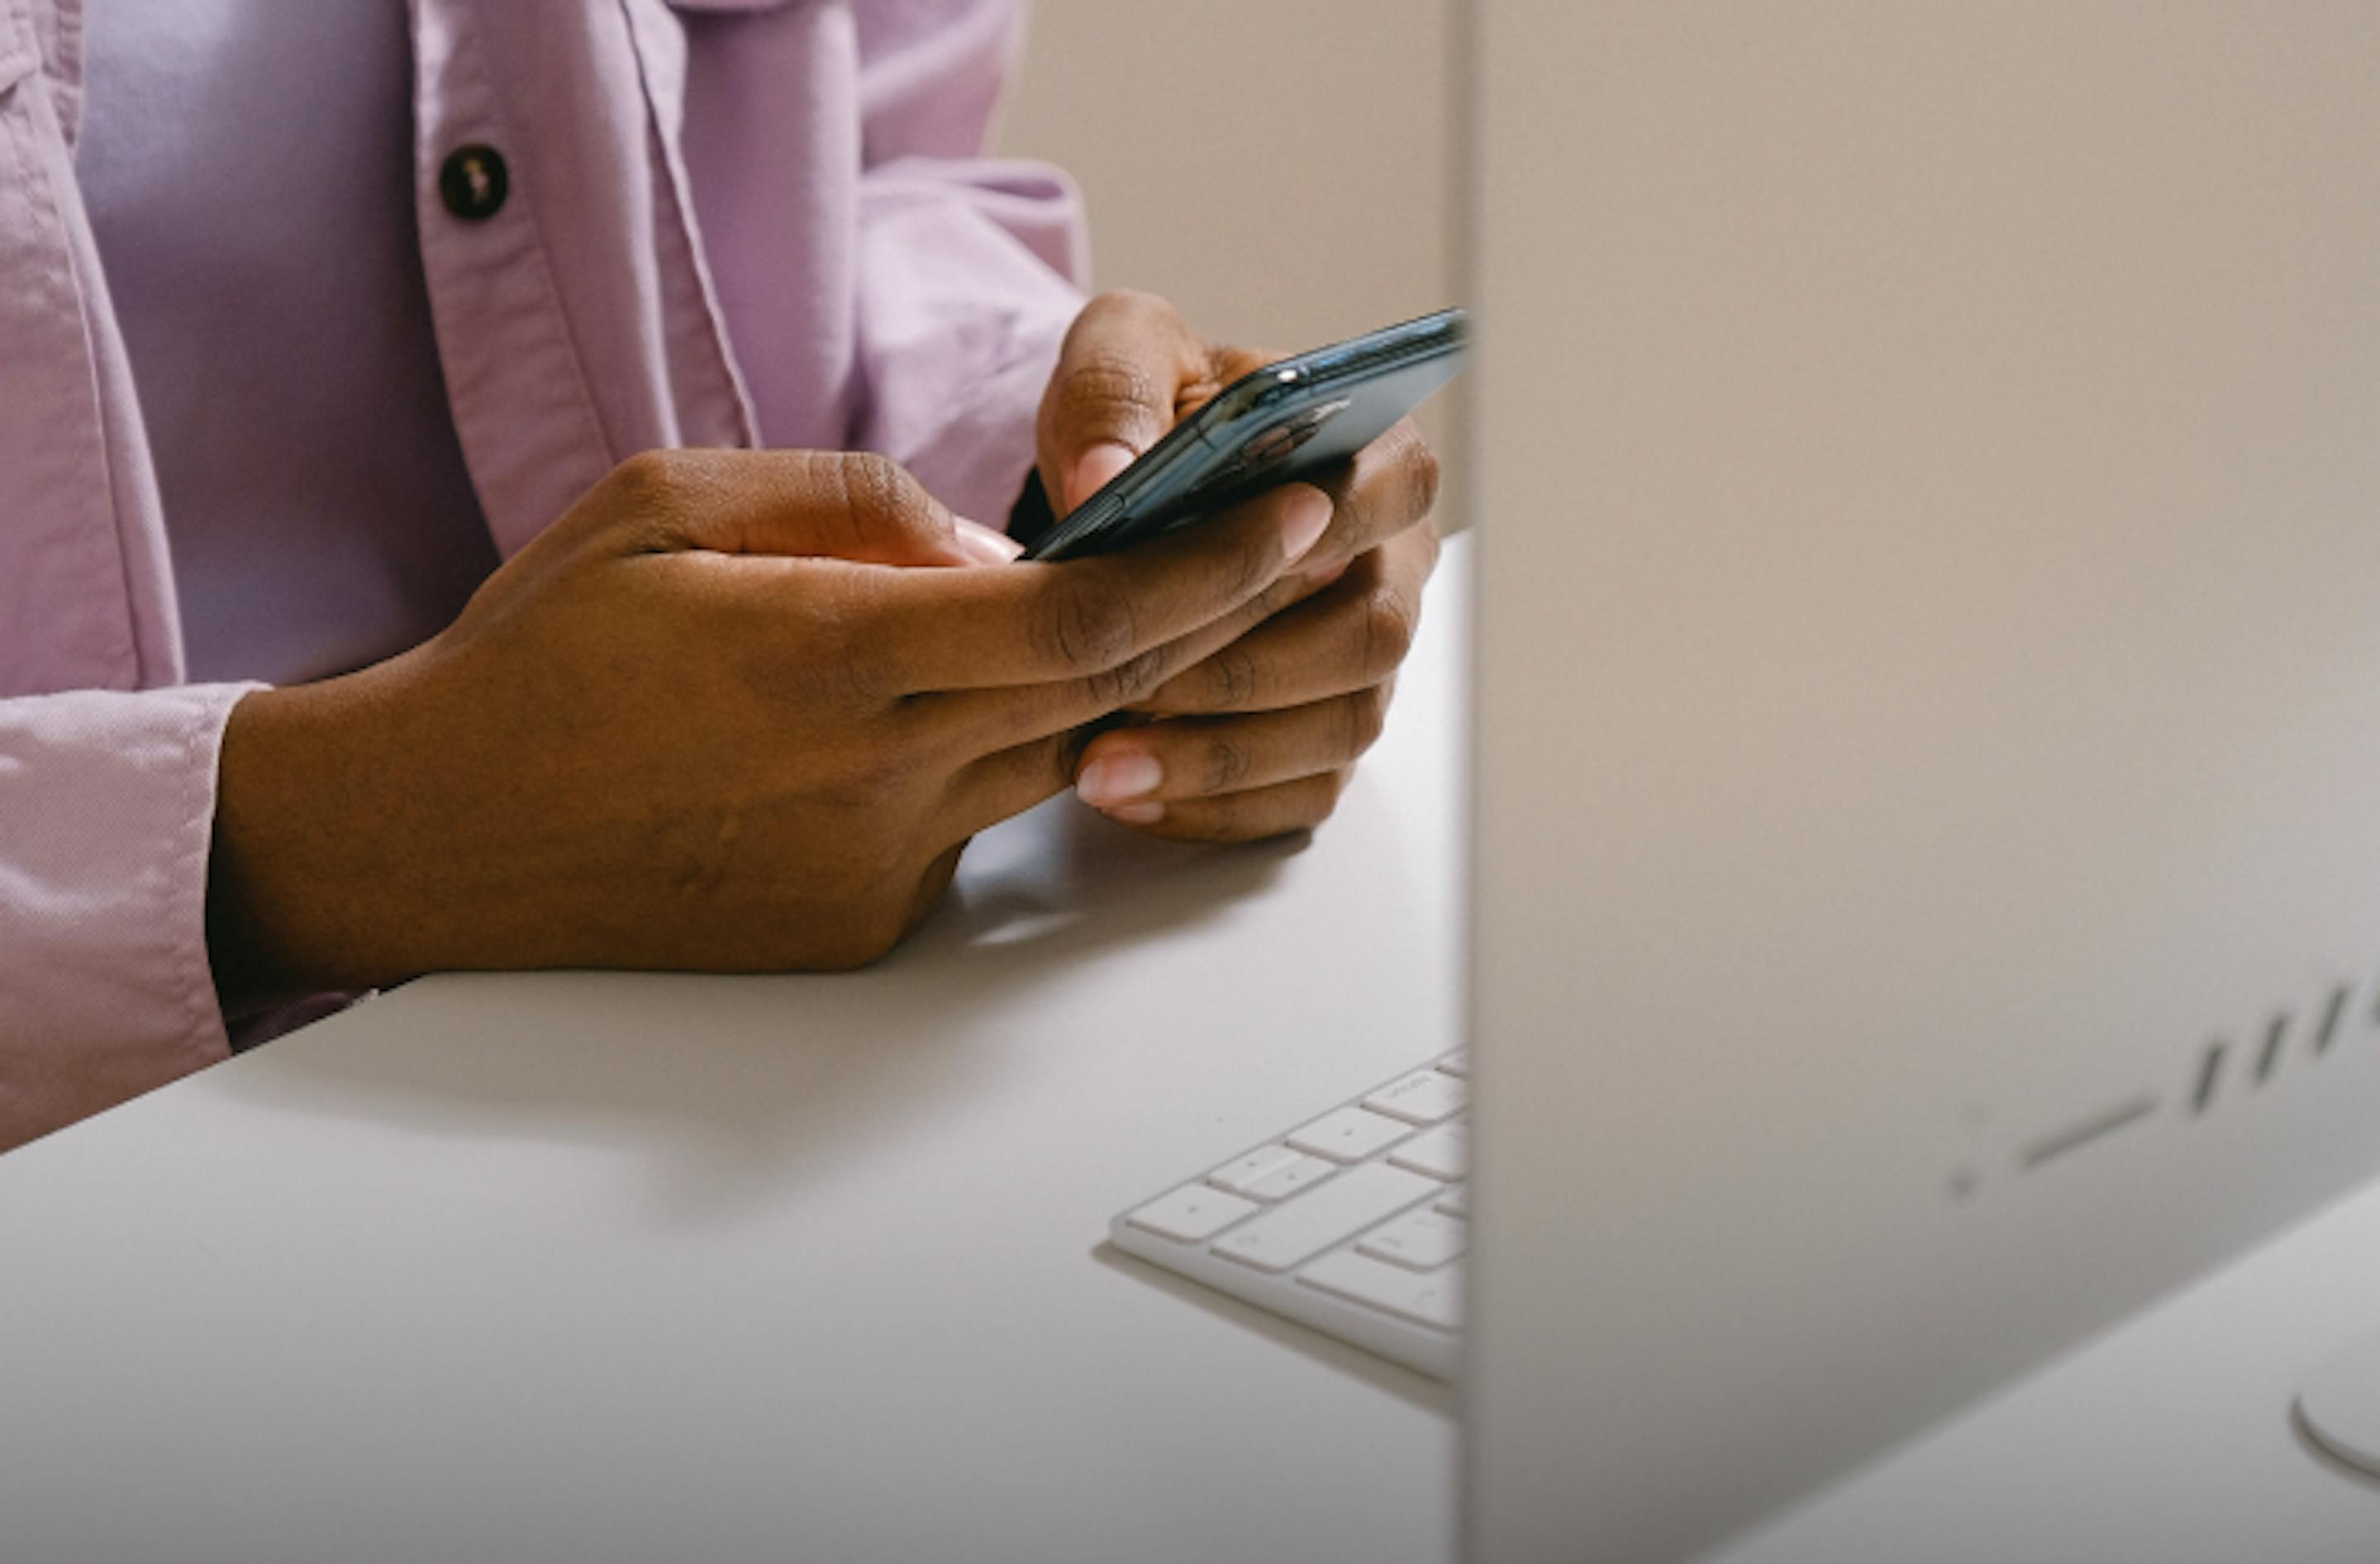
(1353, 1223)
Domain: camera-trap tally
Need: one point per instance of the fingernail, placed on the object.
(1094, 467)
(1138, 813)
(1113, 778)
(1305, 516)
(985, 546)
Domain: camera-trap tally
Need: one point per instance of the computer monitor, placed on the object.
(1927, 902)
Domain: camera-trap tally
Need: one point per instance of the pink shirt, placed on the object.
(727, 224)
(319, 510)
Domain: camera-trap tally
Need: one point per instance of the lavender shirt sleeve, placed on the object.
(109, 800)
(967, 268)
(107, 796)
(884, 286)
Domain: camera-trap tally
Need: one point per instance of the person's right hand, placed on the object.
(713, 718)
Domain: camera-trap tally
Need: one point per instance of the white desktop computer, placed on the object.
(1926, 889)
(1927, 882)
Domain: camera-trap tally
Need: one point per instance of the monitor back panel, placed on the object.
(1927, 457)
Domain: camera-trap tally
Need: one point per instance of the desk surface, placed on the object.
(582, 1267)
(587, 1267)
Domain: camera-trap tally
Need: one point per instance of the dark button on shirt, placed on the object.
(473, 182)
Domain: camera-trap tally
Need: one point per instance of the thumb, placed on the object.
(1127, 359)
(797, 503)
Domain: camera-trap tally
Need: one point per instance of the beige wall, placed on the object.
(1277, 168)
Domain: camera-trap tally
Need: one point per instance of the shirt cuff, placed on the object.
(107, 805)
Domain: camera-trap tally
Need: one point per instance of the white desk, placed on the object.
(583, 1269)
(591, 1268)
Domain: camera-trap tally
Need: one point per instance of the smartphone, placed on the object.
(1287, 422)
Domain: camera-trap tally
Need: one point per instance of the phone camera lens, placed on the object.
(1286, 436)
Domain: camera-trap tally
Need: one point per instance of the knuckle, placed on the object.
(1419, 467)
(1367, 715)
(1230, 680)
(1088, 625)
(1430, 543)
(871, 481)
(879, 492)
(654, 472)
(1227, 765)
(652, 485)
(1052, 761)
(1386, 632)
(1392, 484)
(1128, 680)
(652, 493)
(1109, 392)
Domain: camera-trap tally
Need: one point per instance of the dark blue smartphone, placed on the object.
(1287, 422)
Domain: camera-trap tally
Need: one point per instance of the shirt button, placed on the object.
(473, 182)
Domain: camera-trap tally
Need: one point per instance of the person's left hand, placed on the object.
(1260, 738)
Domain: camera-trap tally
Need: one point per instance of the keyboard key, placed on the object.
(1297, 1230)
(1422, 1097)
(1349, 1135)
(1241, 1176)
(1457, 1064)
(1442, 1152)
(1192, 1214)
(1290, 1177)
(1435, 1298)
(1419, 1241)
(1456, 1202)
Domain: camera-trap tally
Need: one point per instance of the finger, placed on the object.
(1010, 781)
(1240, 817)
(1389, 486)
(1082, 619)
(843, 504)
(1350, 635)
(1209, 756)
(981, 722)
(1129, 371)
(1112, 393)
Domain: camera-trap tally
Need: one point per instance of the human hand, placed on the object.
(713, 718)
(1260, 738)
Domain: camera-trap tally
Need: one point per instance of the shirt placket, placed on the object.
(530, 429)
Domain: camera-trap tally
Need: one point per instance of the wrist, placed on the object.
(291, 901)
